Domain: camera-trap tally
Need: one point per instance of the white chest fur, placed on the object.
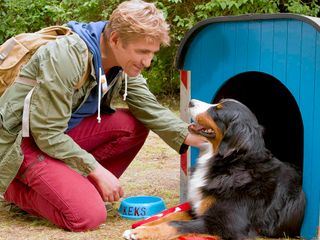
(198, 178)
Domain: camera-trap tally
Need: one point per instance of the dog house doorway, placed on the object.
(275, 109)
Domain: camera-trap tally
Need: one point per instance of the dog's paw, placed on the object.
(143, 233)
(129, 235)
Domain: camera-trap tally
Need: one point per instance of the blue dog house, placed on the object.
(271, 63)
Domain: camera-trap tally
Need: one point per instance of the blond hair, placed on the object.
(136, 18)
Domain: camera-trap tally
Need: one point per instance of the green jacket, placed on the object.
(58, 67)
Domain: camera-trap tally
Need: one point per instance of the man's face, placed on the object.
(135, 55)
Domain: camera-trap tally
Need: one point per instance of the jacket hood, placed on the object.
(90, 33)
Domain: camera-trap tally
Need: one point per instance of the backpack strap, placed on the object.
(5, 52)
(33, 82)
(26, 104)
(26, 114)
(86, 72)
(26, 81)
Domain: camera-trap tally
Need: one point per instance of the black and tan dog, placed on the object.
(238, 189)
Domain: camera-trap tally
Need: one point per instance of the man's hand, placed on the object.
(106, 183)
(195, 140)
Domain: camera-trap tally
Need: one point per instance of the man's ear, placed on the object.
(114, 39)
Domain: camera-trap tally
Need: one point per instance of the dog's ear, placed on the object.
(227, 145)
(240, 136)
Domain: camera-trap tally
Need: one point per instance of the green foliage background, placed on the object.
(18, 16)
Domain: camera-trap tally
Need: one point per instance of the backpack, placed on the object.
(17, 51)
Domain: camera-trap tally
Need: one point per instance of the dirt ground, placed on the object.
(155, 171)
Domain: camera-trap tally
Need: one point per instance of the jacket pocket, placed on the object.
(77, 98)
(10, 118)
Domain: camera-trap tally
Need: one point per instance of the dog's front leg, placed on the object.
(158, 229)
(162, 231)
(175, 216)
(168, 230)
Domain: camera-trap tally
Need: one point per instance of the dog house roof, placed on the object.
(315, 22)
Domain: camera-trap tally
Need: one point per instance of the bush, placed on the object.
(28, 15)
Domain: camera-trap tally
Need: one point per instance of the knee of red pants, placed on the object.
(137, 128)
(78, 216)
(89, 217)
(116, 155)
(81, 209)
(83, 212)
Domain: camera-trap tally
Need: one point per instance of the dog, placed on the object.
(238, 189)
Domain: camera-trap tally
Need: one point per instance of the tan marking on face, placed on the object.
(219, 106)
(161, 231)
(205, 120)
(205, 204)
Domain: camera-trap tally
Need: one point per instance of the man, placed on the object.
(71, 162)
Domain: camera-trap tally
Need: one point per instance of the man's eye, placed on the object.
(143, 51)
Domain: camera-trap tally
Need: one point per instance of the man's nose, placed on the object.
(147, 61)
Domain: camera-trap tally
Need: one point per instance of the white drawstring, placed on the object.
(125, 86)
(104, 85)
(99, 96)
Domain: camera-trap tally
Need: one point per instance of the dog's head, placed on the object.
(229, 125)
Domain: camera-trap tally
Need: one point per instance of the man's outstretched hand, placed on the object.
(195, 140)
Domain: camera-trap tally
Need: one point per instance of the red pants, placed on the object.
(48, 188)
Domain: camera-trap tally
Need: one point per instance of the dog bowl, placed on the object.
(141, 207)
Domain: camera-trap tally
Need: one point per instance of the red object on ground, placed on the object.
(180, 208)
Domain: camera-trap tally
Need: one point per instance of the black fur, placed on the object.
(256, 194)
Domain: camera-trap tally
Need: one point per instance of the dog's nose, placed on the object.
(191, 104)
